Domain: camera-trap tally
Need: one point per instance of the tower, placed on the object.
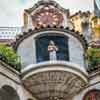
(97, 7)
(50, 60)
(96, 22)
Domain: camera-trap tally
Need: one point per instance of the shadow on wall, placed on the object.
(8, 93)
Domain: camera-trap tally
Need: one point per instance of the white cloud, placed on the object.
(11, 10)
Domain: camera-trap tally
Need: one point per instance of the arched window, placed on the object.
(60, 46)
(92, 95)
(8, 93)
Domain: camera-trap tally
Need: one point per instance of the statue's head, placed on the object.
(51, 42)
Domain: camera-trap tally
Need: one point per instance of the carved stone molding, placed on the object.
(52, 80)
(58, 84)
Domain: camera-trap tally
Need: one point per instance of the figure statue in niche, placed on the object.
(52, 49)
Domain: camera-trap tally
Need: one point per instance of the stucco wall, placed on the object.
(76, 52)
(26, 51)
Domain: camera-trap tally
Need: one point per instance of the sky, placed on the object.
(11, 11)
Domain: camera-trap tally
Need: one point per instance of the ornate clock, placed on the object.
(47, 16)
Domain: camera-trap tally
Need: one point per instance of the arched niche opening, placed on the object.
(8, 93)
(92, 95)
(50, 47)
(63, 39)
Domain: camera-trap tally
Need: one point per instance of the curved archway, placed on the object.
(92, 95)
(8, 93)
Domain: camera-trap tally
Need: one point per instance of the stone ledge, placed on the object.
(9, 72)
(54, 65)
(54, 79)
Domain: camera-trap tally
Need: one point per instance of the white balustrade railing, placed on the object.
(7, 33)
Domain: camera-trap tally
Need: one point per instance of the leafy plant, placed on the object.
(9, 56)
(97, 28)
(93, 55)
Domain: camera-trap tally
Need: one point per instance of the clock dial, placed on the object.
(47, 16)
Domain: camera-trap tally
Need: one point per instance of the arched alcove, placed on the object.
(60, 42)
(70, 47)
(92, 95)
(8, 93)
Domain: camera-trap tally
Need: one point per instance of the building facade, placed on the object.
(52, 46)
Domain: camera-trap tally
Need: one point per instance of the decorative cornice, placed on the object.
(9, 67)
(49, 64)
(54, 73)
(30, 32)
(45, 3)
(80, 13)
(95, 44)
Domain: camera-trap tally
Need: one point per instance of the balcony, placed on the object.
(54, 79)
(61, 77)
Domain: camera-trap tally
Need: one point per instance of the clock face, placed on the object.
(47, 16)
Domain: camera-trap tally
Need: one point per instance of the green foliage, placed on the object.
(93, 55)
(97, 28)
(95, 17)
(9, 56)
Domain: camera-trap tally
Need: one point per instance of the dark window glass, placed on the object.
(42, 48)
